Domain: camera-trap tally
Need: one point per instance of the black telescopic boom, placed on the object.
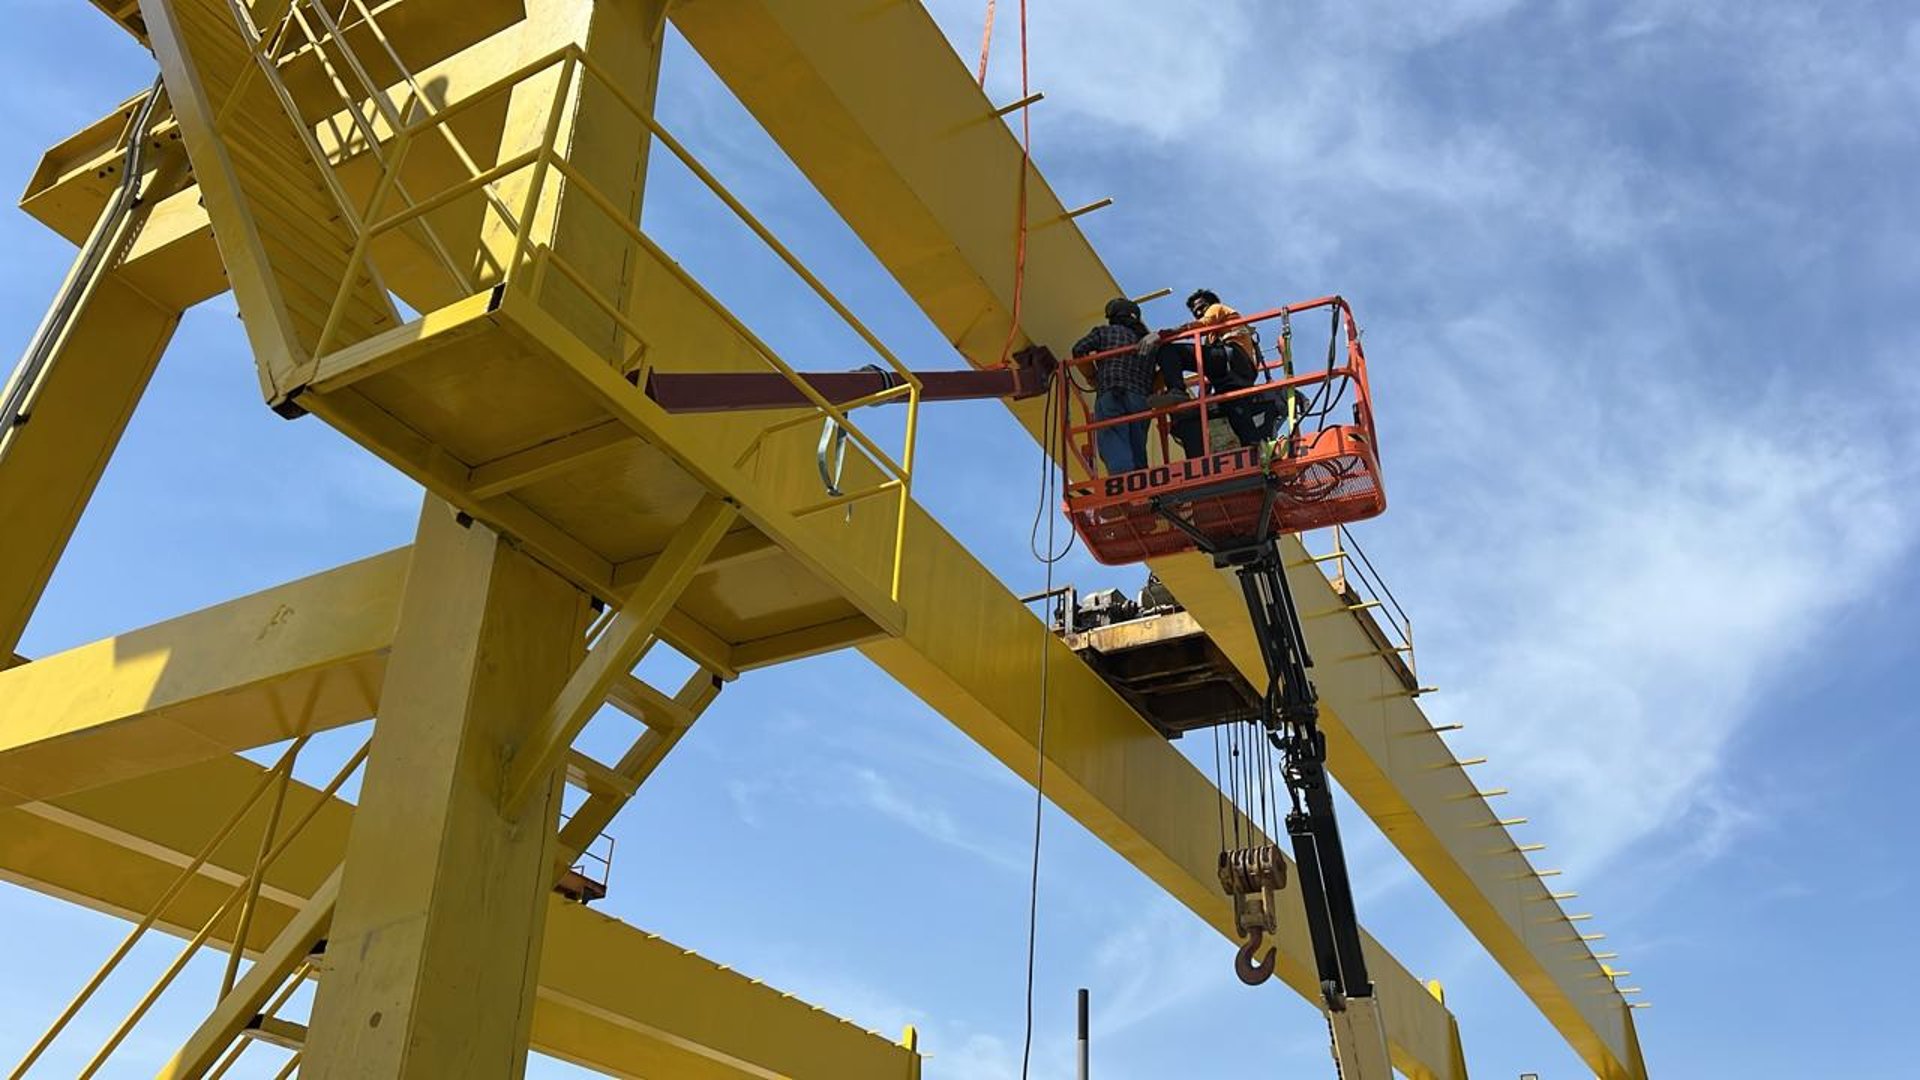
(1292, 720)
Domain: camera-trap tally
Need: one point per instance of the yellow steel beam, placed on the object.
(930, 191)
(634, 1005)
(433, 868)
(306, 656)
(611, 998)
(79, 406)
(980, 663)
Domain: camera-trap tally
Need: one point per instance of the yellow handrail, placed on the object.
(766, 235)
(159, 908)
(527, 254)
(199, 939)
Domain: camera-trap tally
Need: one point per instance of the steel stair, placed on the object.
(285, 228)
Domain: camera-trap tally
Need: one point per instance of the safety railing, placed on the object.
(1364, 592)
(595, 864)
(1291, 405)
(531, 264)
(289, 30)
(240, 902)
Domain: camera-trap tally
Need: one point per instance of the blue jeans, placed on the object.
(1123, 447)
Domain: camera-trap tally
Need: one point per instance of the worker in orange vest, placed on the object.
(1229, 360)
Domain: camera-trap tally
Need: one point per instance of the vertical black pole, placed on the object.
(1083, 1033)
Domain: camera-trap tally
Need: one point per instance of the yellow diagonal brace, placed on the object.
(79, 406)
(614, 655)
(234, 1011)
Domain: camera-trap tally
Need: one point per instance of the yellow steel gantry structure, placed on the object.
(341, 164)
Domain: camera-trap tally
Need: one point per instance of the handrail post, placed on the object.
(357, 259)
(257, 876)
(523, 236)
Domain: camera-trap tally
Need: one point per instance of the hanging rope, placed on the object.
(1052, 456)
(1052, 481)
(986, 44)
(1020, 200)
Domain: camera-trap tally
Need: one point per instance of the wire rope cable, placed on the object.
(1051, 557)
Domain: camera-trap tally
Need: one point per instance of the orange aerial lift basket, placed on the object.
(1316, 462)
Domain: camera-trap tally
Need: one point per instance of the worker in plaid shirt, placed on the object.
(1121, 384)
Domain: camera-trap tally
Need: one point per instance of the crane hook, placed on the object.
(1254, 972)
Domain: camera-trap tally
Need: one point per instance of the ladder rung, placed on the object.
(647, 705)
(307, 262)
(591, 775)
(282, 1033)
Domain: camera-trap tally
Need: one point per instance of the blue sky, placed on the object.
(1638, 281)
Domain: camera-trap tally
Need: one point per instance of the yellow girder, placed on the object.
(305, 656)
(929, 190)
(610, 997)
(1393, 763)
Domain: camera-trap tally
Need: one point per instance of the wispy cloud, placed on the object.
(1160, 960)
(876, 792)
(1659, 564)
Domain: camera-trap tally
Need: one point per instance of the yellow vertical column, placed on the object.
(50, 464)
(431, 960)
(430, 963)
(602, 143)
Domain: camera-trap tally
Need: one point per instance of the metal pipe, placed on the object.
(257, 876)
(206, 930)
(180, 881)
(87, 267)
(1083, 1034)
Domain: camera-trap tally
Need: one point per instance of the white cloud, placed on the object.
(1661, 560)
(1142, 68)
(876, 792)
(1160, 960)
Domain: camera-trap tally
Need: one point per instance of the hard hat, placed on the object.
(1122, 309)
